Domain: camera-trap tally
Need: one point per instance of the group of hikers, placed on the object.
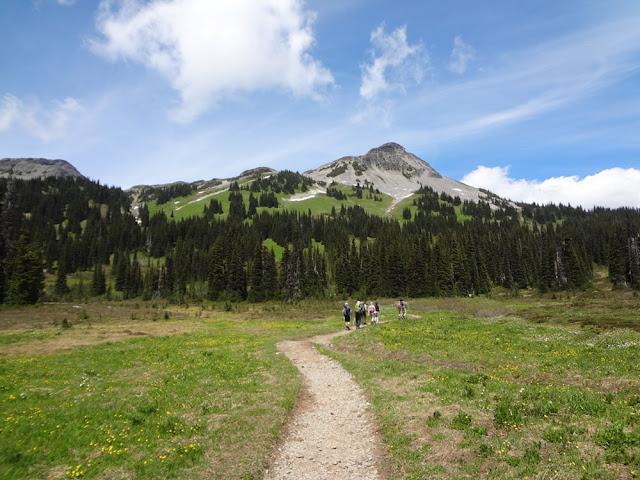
(372, 311)
(361, 312)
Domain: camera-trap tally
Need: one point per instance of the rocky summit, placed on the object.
(393, 171)
(28, 168)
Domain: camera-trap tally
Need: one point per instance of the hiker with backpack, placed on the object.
(357, 314)
(372, 313)
(346, 314)
(363, 312)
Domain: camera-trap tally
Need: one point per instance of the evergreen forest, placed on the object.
(64, 238)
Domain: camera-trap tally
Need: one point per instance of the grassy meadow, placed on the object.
(502, 388)
(473, 388)
(145, 391)
(320, 204)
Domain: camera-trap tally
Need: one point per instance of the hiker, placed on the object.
(346, 313)
(372, 313)
(363, 312)
(377, 312)
(357, 314)
(404, 308)
(399, 307)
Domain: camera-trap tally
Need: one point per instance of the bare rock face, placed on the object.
(28, 168)
(393, 171)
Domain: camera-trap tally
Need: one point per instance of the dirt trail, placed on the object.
(331, 435)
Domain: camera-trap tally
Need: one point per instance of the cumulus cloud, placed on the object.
(208, 50)
(461, 55)
(613, 187)
(44, 123)
(394, 63)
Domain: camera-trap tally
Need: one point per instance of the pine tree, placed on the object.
(98, 281)
(121, 266)
(256, 293)
(574, 269)
(270, 276)
(237, 278)
(216, 278)
(26, 283)
(253, 205)
(61, 288)
(618, 258)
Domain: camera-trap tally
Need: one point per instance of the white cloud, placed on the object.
(395, 62)
(45, 124)
(461, 55)
(613, 187)
(211, 49)
(66, 3)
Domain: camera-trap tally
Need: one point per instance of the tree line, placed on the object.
(443, 247)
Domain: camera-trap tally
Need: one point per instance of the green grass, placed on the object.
(402, 204)
(278, 250)
(462, 388)
(193, 205)
(205, 397)
(478, 391)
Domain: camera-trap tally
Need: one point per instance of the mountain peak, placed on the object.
(27, 168)
(390, 147)
(393, 171)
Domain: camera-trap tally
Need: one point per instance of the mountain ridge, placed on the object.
(389, 168)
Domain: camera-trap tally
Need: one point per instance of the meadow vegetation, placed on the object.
(472, 388)
(503, 387)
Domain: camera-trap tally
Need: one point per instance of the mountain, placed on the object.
(204, 188)
(27, 168)
(394, 172)
(389, 168)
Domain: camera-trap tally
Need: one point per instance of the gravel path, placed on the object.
(331, 433)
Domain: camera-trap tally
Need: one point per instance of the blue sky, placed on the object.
(536, 101)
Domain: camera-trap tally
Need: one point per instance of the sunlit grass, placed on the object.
(205, 396)
(462, 388)
(462, 394)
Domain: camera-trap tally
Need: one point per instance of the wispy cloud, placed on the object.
(614, 187)
(209, 50)
(461, 55)
(521, 85)
(44, 123)
(394, 63)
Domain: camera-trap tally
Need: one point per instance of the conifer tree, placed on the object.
(26, 283)
(256, 277)
(634, 262)
(237, 278)
(618, 258)
(292, 275)
(121, 266)
(216, 279)
(253, 205)
(98, 281)
(61, 288)
(270, 275)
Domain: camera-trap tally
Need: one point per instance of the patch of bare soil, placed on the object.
(331, 434)
(64, 339)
